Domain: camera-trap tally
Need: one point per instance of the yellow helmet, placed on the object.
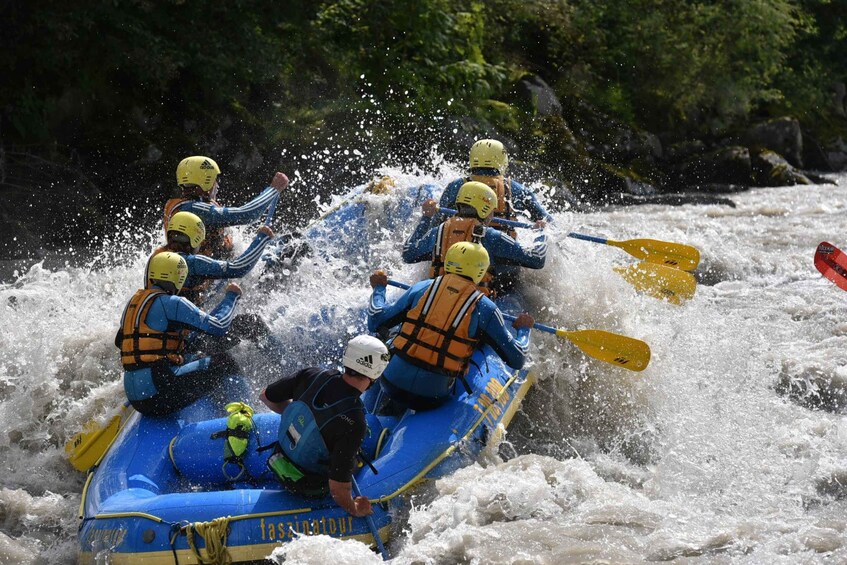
(166, 269)
(197, 170)
(478, 195)
(489, 154)
(189, 228)
(467, 259)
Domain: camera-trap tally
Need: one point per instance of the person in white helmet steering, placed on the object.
(323, 424)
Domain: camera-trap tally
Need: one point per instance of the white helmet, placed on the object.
(367, 356)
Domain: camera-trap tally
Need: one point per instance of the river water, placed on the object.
(730, 448)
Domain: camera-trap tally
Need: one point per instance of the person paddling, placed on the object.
(186, 233)
(488, 163)
(475, 204)
(442, 322)
(323, 424)
(197, 177)
(159, 376)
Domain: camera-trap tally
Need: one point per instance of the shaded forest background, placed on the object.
(100, 100)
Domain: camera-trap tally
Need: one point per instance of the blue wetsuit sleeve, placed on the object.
(205, 267)
(222, 216)
(504, 250)
(492, 330)
(376, 305)
(524, 199)
(180, 311)
(448, 199)
(222, 315)
(242, 264)
(382, 316)
(419, 245)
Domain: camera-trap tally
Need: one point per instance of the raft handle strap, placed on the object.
(262, 448)
(367, 461)
(468, 388)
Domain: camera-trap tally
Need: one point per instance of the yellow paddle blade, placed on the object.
(676, 255)
(620, 350)
(85, 448)
(659, 281)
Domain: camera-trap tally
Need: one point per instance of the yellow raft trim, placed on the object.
(256, 552)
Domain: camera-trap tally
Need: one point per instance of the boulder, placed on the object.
(836, 154)
(771, 169)
(782, 135)
(727, 165)
(538, 95)
(814, 155)
(608, 139)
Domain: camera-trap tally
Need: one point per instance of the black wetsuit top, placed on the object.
(343, 435)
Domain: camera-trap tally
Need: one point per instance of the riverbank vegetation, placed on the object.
(102, 99)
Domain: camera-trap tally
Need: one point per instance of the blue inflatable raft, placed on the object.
(163, 494)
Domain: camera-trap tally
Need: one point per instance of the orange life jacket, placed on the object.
(454, 230)
(218, 242)
(141, 345)
(435, 333)
(197, 293)
(503, 188)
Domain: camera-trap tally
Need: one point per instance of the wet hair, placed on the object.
(167, 286)
(194, 191)
(180, 239)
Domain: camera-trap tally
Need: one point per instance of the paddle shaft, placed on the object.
(372, 526)
(495, 220)
(536, 325)
(588, 238)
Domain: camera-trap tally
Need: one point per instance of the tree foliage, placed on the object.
(113, 78)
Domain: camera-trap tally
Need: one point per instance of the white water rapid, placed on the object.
(730, 448)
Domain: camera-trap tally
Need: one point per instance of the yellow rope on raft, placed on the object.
(214, 534)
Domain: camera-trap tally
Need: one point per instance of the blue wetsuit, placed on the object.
(165, 388)
(421, 388)
(502, 249)
(223, 216)
(522, 199)
(203, 267)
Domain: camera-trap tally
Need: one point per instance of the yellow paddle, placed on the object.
(677, 255)
(660, 281)
(86, 448)
(620, 350)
